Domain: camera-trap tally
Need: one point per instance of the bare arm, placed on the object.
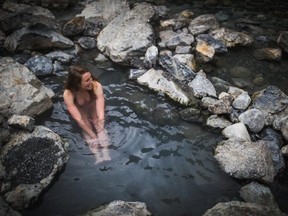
(76, 115)
(100, 106)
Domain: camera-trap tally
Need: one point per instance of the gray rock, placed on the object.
(253, 119)
(259, 194)
(151, 57)
(218, 122)
(191, 114)
(40, 65)
(231, 38)
(270, 101)
(203, 23)
(60, 56)
(237, 208)
(120, 208)
(35, 37)
(173, 66)
(222, 106)
(28, 97)
(104, 9)
(242, 101)
(245, 160)
(24, 122)
(284, 150)
(127, 37)
(202, 86)
(87, 42)
(238, 131)
(30, 162)
(155, 80)
(24, 15)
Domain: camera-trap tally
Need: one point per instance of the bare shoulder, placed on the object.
(67, 94)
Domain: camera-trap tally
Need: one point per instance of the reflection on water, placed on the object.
(151, 156)
(165, 162)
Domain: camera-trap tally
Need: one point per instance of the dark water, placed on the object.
(156, 157)
(165, 162)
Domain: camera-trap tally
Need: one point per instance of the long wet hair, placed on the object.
(74, 78)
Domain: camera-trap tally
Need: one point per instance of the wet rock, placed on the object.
(259, 80)
(165, 116)
(218, 122)
(240, 72)
(172, 65)
(253, 119)
(87, 42)
(74, 27)
(135, 73)
(120, 208)
(284, 129)
(24, 122)
(231, 38)
(35, 37)
(155, 80)
(30, 161)
(284, 150)
(105, 9)
(182, 39)
(268, 54)
(27, 93)
(60, 56)
(191, 114)
(269, 101)
(245, 160)
(127, 37)
(186, 59)
(237, 131)
(202, 86)
(6, 210)
(242, 101)
(222, 106)
(259, 194)
(206, 42)
(235, 92)
(101, 58)
(5, 102)
(183, 49)
(273, 140)
(237, 208)
(203, 23)
(283, 41)
(23, 16)
(151, 57)
(40, 65)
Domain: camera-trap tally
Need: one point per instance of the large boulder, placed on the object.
(36, 37)
(120, 208)
(127, 37)
(29, 163)
(245, 160)
(24, 92)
